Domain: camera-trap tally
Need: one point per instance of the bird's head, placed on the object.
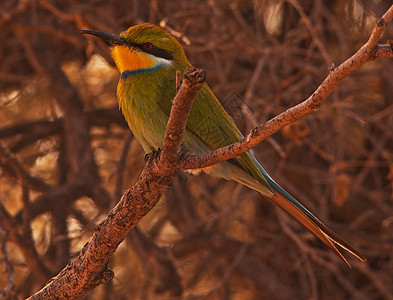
(143, 47)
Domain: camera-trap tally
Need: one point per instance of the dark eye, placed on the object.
(147, 46)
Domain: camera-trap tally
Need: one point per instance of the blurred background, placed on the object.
(66, 154)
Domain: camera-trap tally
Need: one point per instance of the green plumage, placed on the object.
(146, 102)
(148, 57)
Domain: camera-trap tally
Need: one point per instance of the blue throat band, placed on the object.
(128, 73)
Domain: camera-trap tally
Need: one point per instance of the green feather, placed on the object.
(145, 97)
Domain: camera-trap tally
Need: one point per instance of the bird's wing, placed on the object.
(210, 123)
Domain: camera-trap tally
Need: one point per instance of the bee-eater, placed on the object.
(147, 58)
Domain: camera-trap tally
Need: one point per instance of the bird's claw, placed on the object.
(152, 155)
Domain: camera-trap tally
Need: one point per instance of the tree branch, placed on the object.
(368, 52)
(193, 80)
(89, 269)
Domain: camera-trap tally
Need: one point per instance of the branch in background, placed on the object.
(25, 240)
(120, 168)
(9, 268)
(26, 246)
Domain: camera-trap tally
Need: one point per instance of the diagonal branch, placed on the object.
(368, 52)
(90, 268)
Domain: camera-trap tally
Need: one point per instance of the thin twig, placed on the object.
(121, 165)
(8, 265)
(177, 80)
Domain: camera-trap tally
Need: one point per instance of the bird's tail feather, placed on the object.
(293, 207)
(289, 204)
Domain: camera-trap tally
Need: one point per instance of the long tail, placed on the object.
(270, 189)
(289, 204)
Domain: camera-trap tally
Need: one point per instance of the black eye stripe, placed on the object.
(154, 51)
(160, 53)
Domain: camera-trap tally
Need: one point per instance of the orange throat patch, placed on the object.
(129, 59)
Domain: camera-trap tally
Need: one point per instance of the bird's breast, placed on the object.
(140, 107)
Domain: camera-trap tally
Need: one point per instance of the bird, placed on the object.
(147, 57)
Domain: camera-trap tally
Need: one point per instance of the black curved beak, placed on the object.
(108, 37)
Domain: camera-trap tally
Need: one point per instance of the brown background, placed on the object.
(66, 154)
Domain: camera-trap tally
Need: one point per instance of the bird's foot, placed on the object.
(152, 155)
